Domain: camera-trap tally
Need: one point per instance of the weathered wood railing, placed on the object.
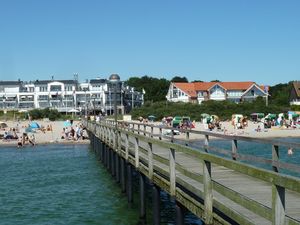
(188, 173)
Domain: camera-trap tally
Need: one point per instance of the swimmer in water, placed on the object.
(290, 151)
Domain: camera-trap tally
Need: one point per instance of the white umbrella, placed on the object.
(74, 110)
(23, 110)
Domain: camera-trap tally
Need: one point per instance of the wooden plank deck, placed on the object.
(239, 187)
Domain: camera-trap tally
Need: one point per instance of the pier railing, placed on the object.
(218, 188)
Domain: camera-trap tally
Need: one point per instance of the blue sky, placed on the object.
(255, 40)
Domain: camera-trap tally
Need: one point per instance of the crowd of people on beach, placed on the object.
(69, 133)
(24, 133)
(22, 138)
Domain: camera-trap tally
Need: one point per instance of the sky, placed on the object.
(232, 40)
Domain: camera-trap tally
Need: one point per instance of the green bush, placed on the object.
(224, 109)
(52, 114)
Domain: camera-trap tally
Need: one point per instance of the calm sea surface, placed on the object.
(65, 184)
(259, 150)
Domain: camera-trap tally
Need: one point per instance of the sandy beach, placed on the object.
(249, 131)
(46, 137)
(54, 136)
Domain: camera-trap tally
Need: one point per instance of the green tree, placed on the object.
(280, 93)
(179, 79)
(156, 89)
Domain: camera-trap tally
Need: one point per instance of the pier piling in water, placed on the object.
(129, 184)
(156, 204)
(142, 196)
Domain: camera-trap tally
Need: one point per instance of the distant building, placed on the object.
(94, 96)
(198, 92)
(295, 93)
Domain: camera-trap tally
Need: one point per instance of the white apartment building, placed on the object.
(95, 95)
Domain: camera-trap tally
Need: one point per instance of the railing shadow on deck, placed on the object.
(191, 173)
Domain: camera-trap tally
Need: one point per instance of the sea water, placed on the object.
(257, 149)
(66, 184)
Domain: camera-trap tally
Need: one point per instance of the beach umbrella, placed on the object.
(151, 118)
(29, 130)
(34, 125)
(204, 115)
(3, 125)
(73, 111)
(271, 116)
(67, 123)
(22, 110)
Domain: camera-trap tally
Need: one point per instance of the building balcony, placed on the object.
(26, 99)
(68, 99)
(26, 105)
(295, 102)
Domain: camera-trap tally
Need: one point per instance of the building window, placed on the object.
(43, 88)
(55, 88)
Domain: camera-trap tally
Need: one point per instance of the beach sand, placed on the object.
(249, 131)
(41, 137)
(54, 136)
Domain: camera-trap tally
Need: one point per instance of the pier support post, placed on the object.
(156, 204)
(102, 152)
(142, 197)
(98, 147)
(113, 162)
(108, 158)
(104, 155)
(123, 175)
(129, 184)
(95, 143)
(179, 214)
(117, 162)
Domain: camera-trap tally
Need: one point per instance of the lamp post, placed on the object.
(66, 101)
(114, 79)
(109, 94)
(94, 109)
(132, 98)
(85, 104)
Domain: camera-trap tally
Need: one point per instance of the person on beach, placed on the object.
(258, 129)
(31, 139)
(72, 134)
(20, 142)
(24, 138)
(63, 134)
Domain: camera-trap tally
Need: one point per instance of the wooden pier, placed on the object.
(217, 185)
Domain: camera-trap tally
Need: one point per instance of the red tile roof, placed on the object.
(188, 88)
(192, 88)
(237, 85)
